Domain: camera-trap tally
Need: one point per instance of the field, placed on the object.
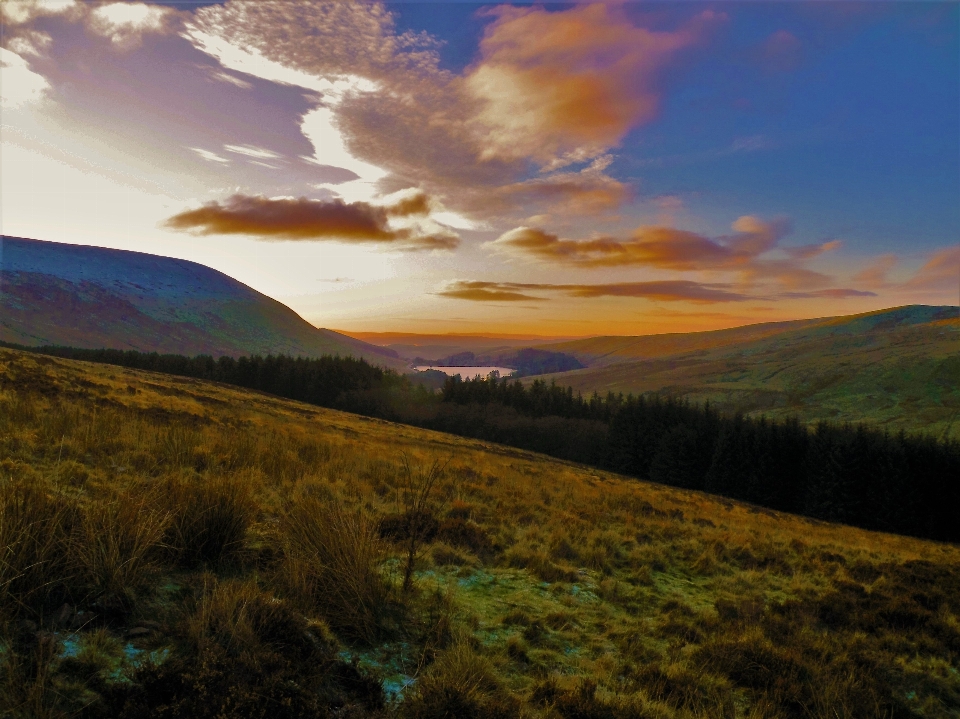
(176, 548)
(896, 369)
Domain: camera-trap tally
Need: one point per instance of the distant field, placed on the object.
(172, 547)
(898, 369)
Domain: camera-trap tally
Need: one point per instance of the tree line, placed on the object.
(893, 482)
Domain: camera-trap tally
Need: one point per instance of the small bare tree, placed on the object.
(414, 502)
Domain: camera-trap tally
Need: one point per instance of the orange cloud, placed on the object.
(418, 204)
(807, 252)
(941, 272)
(653, 246)
(586, 192)
(564, 86)
(303, 219)
(663, 290)
(667, 248)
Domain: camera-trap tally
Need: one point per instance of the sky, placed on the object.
(548, 169)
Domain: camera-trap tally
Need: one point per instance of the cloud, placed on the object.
(569, 84)
(30, 42)
(125, 22)
(484, 292)
(940, 273)
(233, 80)
(743, 252)
(662, 290)
(472, 143)
(875, 274)
(210, 156)
(415, 204)
(836, 294)
(303, 219)
(650, 246)
(251, 151)
(586, 192)
(807, 252)
(21, 85)
(18, 12)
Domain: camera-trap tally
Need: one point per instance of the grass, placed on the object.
(176, 548)
(896, 368)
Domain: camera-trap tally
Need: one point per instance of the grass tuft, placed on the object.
(331, 558)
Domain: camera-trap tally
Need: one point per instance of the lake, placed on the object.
(468, 372)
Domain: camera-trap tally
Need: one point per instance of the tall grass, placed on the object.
(117, 544)
(35, 526)
(331, 557)
(208, 517)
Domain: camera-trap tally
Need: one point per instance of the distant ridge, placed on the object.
(53, 293)
(897, 368)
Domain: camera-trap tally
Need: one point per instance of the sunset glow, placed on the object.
(556, 170)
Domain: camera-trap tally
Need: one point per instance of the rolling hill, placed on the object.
(79, 296)
(175, 547)
(897, 368)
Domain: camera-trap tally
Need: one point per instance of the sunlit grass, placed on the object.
(236, 546)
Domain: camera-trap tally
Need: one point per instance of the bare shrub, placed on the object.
(414, 497)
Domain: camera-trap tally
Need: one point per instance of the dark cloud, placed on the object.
(664, 290)
(484, 292)
(303, 219)
(836, 294)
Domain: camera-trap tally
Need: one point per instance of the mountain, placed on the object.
(898, 368)
(59, 294)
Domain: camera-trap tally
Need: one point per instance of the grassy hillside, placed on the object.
(896, 368)
(174, 548)
(78, 296)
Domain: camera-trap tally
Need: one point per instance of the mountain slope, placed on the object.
(54, 293)
(899, 368)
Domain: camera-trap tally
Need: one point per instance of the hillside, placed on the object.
(179, 548)
(433, 346)
(896, 368)
(72, 295)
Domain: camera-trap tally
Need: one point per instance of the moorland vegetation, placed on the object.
(172, 547)
(904, 483)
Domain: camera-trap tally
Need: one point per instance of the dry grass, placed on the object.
(244, 525)
(331, 556)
